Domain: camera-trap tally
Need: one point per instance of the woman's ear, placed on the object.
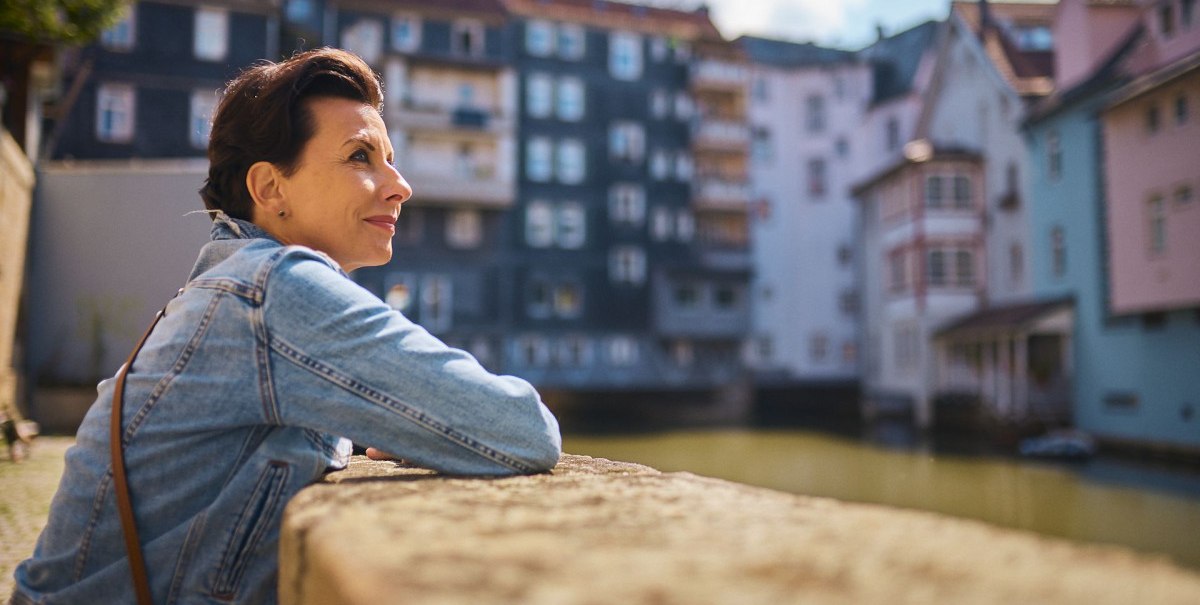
(265, 184)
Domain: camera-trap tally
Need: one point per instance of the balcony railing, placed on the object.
(412, 116)
(711, 72)
(721, 194)
(724, 134)
(478, 187)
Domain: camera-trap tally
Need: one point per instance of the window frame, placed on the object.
(120, 96)
(205, 17)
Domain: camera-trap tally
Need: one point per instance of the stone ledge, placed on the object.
(598, 531)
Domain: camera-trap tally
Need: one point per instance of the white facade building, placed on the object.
(805, 106)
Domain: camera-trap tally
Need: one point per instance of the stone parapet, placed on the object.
(597, 531)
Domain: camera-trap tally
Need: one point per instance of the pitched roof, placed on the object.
(1109, 74)
(1029, 72)
(896, 59)
(780, 53)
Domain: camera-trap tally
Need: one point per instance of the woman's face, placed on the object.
(345, 194)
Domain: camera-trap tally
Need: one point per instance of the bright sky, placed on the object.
(846, 24)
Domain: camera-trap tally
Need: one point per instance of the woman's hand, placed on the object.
(376, 454)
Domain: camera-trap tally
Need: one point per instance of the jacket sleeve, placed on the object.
(343, 362)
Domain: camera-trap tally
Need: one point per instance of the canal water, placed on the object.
(1148, 506)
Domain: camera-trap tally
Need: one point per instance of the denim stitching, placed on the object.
(419, 418)
(266, 496)
(186, 550)
(85, 541)
(180, 363)
(262, 357)
(232, 286)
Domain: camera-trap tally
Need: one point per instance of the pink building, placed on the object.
(1152, 167)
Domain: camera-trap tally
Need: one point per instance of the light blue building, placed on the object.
(1136, 377)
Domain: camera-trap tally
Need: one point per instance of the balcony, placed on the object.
(718, 193)
(479, 187)
(467, 120)
(721, 135)
(721, 75)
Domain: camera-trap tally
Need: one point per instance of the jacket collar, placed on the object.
(227, 227)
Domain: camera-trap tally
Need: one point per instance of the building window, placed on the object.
(936, 272)
(436, 298)
(211, 40)
(1058, 252)
(1153, 119)
(684, 168)
(760, 145)
(1187, 12)
(760, 90)
(627, 265)
(1157, 222)
(1035, 38)
(892, 135)
(727, 298)
(533, 351)
(200, 117)
(399, 294)
(622, 351)
(537, 304)
(660, 223)
(539, 224)
(115, 113)
(686, 296)
(1166, 19)
(685, 226)
(934, 197)
(684, 106)
(1183, 195)
(682, 353)
(539, 38)
(818, 347)
(406, 32)
(572, 225)
(627, 204)
(660, 164)
(467, 38)
(570, 99)
(962, 192)
(1181, 109)
(627, 142)
(814, 115)
(568, 300)
(1054, 157)
(123, 34)
(538, 159)
(625, 55)
(464, 229)
(364, 38)
(658, 48)
(572, 162)
(575, 351)
(849, 353)
(816, 177)
(848, 301)
(964, 268)
(410, 228)
(845, 254)
(539, 92)
(299, 11)
(907, 347)
(572, 41)
(660, 103)
(842, 147)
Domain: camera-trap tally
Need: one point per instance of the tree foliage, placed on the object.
(59, 21)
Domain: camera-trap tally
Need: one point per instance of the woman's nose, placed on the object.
(399, 190)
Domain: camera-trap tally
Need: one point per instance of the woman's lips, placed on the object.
(383, 221)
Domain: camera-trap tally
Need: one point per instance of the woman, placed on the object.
(271, 358)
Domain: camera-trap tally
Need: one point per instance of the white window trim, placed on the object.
(414, 41)
(478, 32)
(128, 22)
(571, 162)
(570, 103)
(625, 55)
(539, 159)
(464, 229)
(548, 33)
(201, 107)
(123, 99)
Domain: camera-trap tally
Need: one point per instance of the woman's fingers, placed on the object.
(376, 454)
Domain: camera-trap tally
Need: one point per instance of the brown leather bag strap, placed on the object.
(133, 546)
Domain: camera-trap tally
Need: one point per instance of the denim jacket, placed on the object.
(248, 389)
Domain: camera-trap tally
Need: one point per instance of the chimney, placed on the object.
(878, 32)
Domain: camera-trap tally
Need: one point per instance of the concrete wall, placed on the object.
(16, 191)
(112, 242)
(597, 531)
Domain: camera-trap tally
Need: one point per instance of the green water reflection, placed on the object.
(1047, 499)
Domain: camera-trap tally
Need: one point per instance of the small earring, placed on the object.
(282, 213)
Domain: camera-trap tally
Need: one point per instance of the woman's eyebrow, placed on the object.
(360, 139)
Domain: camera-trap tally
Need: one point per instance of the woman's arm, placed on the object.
(343, 362)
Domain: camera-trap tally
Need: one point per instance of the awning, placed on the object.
(1007, 319)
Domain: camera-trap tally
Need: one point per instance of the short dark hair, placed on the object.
(263, 117)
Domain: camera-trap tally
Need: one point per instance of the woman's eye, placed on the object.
(360, 156)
